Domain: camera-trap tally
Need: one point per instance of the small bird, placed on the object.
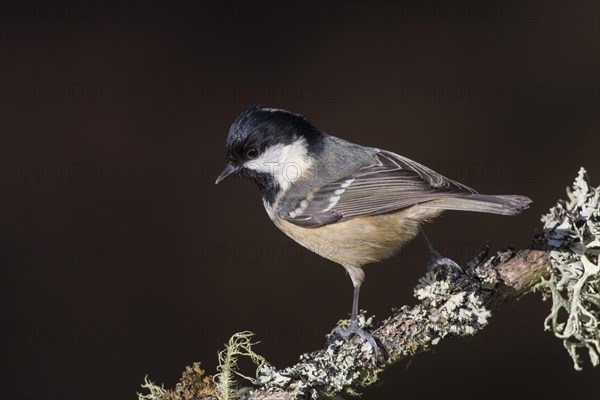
(351, 204)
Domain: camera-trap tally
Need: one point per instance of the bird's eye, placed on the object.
(252, 153)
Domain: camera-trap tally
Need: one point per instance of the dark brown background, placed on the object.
(120, 257)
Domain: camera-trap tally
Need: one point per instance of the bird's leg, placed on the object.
(354, 314)
(354, 329)
(436, 258)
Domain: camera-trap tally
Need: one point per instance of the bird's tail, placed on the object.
(494, 204)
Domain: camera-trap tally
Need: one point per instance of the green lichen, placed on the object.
(324, 373)
(193, 385)
(572, 230)
(239, 345)
(156, 392)
(459, 312)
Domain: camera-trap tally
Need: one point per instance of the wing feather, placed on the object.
(391, 182)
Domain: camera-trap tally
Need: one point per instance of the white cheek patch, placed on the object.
(286, 163)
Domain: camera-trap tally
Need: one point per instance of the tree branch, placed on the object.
(562, 263)
(453, 304)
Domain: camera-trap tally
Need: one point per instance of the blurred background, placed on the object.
(120, 257)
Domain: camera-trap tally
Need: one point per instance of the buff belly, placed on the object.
(361, 240)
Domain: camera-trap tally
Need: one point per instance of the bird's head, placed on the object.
(272, 147)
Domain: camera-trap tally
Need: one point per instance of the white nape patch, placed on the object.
(286, 163)
(333, 200)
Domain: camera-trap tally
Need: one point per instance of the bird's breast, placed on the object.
(361, 240)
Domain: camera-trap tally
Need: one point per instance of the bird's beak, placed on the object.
(228, 170)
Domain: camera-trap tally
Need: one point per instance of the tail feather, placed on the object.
(494, 204)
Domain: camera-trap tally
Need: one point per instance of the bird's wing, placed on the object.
(391, 182)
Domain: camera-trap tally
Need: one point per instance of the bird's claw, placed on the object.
(353, 329)
(441, 261)
(436, 258)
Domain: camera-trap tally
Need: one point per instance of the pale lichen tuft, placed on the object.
(572, 230)
(239, 345)
(155, 390)
(324, 373)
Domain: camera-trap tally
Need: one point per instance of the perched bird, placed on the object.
(349, 203)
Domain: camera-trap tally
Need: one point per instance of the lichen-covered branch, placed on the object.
(562, 263)
(452, 304)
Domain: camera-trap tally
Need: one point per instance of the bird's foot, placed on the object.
(436, 258)
(438, 261)
(354, 329)
(479, 258)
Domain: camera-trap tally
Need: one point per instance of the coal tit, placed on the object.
(351, 204)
